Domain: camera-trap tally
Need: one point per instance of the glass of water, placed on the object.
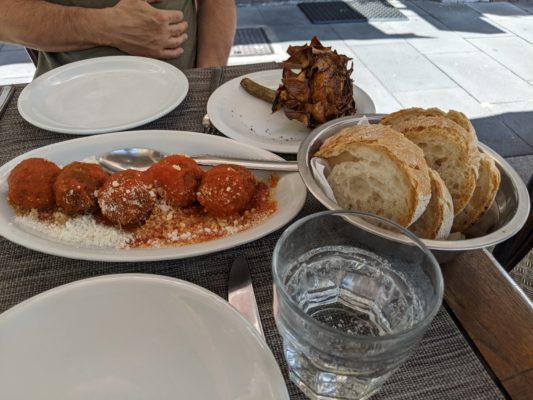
(353, 295)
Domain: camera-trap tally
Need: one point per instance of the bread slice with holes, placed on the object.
(456, 116)
(486, 188)
(460, 119)
(448, 150)
(376, 169)
(436, 222)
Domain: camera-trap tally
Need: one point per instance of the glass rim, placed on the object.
(417, 327)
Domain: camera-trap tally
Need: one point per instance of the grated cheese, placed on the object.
(83, 230)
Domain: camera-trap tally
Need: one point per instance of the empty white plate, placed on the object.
(133, 336)
(242, 117)
(103, 94)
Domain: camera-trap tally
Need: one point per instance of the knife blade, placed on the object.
(241, 293)
(5, 94)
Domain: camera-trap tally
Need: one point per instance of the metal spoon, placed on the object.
(141, 159)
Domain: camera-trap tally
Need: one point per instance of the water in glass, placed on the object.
(350, 305)
(353, 291)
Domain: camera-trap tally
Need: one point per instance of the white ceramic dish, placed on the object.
(290, 193)
(245, 118)
(133, 336)
(103, 94)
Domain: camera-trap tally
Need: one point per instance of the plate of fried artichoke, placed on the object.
(276, 109)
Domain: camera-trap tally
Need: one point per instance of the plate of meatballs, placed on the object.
(58, 200)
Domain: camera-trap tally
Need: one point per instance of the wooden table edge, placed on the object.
(496, 315)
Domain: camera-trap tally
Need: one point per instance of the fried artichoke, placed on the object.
(322, 90)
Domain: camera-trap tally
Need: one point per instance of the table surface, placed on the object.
(460, 357)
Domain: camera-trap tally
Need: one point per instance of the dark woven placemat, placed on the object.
(443, 367)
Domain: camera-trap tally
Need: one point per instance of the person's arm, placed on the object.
(216, 29)
(133, 26)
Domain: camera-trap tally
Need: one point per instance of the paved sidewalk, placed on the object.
(474, 57)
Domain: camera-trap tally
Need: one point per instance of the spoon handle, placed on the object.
(266, 165)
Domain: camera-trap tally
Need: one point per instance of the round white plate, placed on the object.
(103, 94)
(245, 118)
(133, 337)
(290, 193)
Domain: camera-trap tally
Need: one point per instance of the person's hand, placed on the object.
(139, 29)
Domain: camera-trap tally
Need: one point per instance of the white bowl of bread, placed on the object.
(423, 169)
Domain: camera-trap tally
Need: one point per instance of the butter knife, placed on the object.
(5, 94)
(241, 293)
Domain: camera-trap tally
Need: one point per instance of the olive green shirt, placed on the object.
(50, 60)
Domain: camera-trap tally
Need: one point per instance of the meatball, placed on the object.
(31, 184)
(126, 199)
(176, 179)
(76, 185)
(226, 190)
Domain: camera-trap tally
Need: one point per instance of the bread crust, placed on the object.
(462, 120)
(410, 113)
(446, 134)
(486, 188)
(408, 158)
(436, 222)
(458, 117)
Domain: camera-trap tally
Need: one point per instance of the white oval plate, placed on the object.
(240, 116)
(290, 193)
(104, 94)
(133, 336)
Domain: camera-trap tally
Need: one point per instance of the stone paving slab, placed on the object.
(494, 133)
(340, 47)
(15, 57)
(461, 18)
(483, 78)
(522, 26)
(514, 53)
(526, 5)
(409, 8)
(522, 165)
(247, 16)
(284, 15)
(430, 36)
(401, 68)
(521, 123)
(518, 117)
(446, 99)
(369, 34)
(498, 11)
(444, 42)
(9, 47)
(16, 73)
(384, 101)
(303, 33)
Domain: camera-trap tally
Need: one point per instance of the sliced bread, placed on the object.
(447, 150)
(376, 169)
(456, 116)
(410, 113)
(436, 222)
(486, 188)
(460, 119)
